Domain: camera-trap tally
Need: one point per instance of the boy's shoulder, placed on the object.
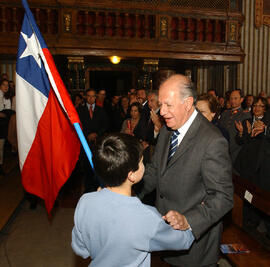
(91, 198)
(149, 213)
(87, 196)
(151, 209)
(107, 198)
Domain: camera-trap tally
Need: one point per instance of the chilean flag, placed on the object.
(47, 141)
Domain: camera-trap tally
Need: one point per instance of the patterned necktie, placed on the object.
(173, 144)
(91, 111)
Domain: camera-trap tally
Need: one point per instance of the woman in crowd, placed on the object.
(5, 102)
(208, 106)
(130, 124)
(5, 107)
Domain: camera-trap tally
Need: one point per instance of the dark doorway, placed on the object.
(114, 82)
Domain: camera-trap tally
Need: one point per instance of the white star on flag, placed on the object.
(32, 48)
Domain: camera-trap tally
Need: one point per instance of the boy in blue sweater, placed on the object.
(111, 226)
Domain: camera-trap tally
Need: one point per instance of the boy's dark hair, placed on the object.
(115, 156)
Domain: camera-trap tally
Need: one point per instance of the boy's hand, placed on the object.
(176, 220)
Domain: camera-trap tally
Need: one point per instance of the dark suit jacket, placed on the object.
(145, 131)
(98, 124)
(267, 118)
(145, 128)
(197, 182)
(227, 121)
(252, 161)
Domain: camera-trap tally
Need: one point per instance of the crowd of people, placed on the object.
(245, 124)
(241, 121)
(190, 144)
(184, 163)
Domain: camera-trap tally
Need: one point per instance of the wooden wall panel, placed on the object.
(254, 72)
(8, 67)
(202, 79)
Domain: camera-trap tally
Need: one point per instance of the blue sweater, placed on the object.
(117, 230)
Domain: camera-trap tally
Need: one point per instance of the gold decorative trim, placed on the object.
(150, 65)
(75, 59)
(67, 22)
(163, 27)
(151, 61)
(233, 31)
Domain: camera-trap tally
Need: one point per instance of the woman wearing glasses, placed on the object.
(255, 126)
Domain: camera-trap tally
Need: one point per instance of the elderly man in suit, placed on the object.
(191, 171)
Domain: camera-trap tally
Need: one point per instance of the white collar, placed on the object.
(184, 128)
(88, 106)
(144, 103)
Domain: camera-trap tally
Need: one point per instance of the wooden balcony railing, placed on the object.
(132, 28)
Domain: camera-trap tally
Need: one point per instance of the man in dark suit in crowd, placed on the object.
(142, 96)
(145, 128)
(142, 99)
(228, 118)
(95, 123)
(191, 170)
(93, 118)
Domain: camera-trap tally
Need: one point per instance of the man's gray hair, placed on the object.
(187, 90)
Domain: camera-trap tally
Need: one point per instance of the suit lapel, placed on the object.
(165, 153)
(187, 140)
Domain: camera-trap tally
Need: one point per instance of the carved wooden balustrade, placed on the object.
(203, 30)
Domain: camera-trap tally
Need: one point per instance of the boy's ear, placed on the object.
(130, 177)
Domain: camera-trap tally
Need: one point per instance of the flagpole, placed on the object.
(76, 125)
(84, 143)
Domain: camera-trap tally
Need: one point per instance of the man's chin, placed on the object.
(170, 125)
